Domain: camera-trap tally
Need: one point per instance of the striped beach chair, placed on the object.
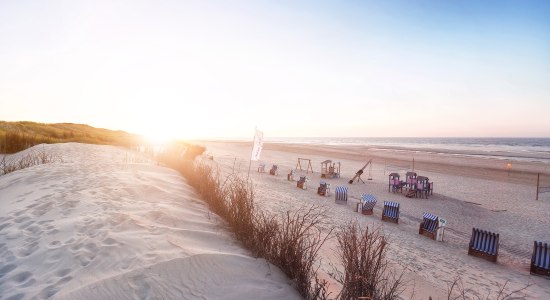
(540, 261)
(341, 194)
(322, 190)
(261, 168)
(290, 176)
(429, 225)
(302, 183)
(391, 212)
(274, 170)
(368, 202)
(484, 244)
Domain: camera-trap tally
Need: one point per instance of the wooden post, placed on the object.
(538, 179)
(413, 164)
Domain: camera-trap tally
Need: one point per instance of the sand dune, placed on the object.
(105, 223)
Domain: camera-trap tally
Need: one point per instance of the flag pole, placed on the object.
(251, 152)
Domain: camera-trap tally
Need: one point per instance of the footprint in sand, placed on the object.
(75, 247)
(22, 219)
(109, 242)
(52, 232)
(140, 287)
(5, 225)
(48, 292)
(54, 245)
(27, 249)
(16, 297)
(33, 230)
(6, 269)
(85, 254)
(85, 258)
(55, 257)
(69, 241)
(35, 204)
(25, 225)
(42, 209)
(64, 280)
(62, 272)
(22, 277)
(92, 247)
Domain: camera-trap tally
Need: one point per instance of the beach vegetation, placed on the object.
(30, 158)
(292, 240)
(18, 136)
(362, 252)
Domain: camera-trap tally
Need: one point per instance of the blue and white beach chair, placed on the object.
(341, 194)
(484, 244)
(390, 212)
(302, 183)
(368, 202)
(540, 261)
(429, 225)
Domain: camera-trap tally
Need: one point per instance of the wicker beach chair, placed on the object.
(274, 170)
(323, 189)
(484, 244)
(341, 194)
(302, 183)
(290, 176)
(390, 212)
(368, 202)
(429, 226)
(261, 168)
(540, 260)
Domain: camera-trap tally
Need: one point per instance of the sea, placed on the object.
(513, 149)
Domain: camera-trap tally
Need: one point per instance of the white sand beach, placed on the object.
(468, 192)
(106, 223)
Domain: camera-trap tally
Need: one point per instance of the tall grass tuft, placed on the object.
(362, 254)
(31, 158)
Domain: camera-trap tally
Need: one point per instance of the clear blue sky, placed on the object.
(291, 68)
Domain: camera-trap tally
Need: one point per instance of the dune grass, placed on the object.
(32, 158)
(18, 136)
(292, 240)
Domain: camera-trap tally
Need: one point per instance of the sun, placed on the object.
(159, 136)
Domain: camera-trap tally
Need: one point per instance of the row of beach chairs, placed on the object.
(273, 171)
(483, 244)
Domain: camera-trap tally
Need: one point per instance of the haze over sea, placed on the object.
(515, 149)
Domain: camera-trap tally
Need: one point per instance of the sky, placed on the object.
(208, 69)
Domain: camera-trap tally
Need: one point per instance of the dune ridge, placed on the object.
(108, 223)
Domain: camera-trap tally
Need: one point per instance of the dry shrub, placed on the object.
(297, 238)
(32, 158)
(240, 209)
(366, 274)
(457, 291)
(290, 241)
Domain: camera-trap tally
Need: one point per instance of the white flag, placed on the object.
(258, 144)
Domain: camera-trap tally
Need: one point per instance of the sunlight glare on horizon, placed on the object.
(199, 69)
